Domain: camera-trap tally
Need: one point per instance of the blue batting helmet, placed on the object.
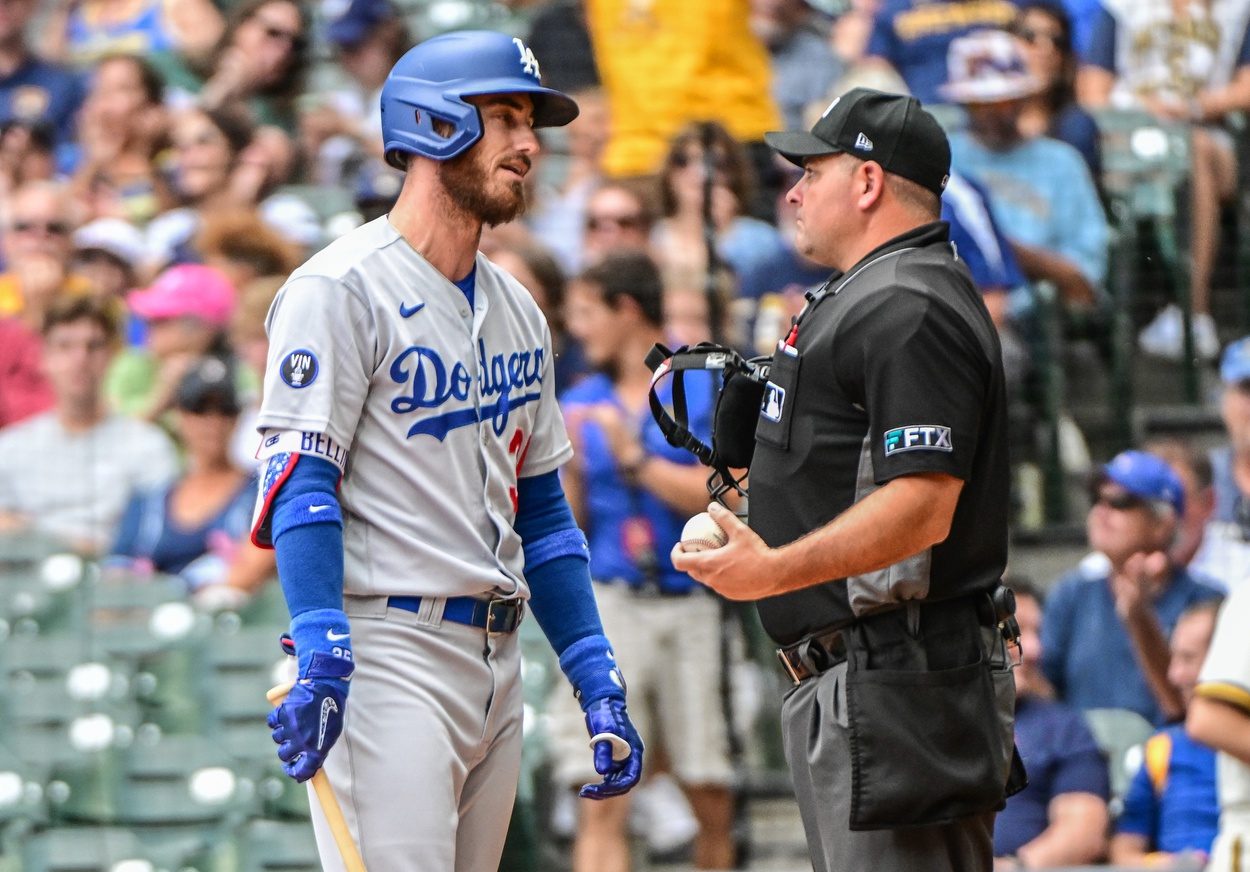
(430, 82)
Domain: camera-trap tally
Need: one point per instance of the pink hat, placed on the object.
(186, 291)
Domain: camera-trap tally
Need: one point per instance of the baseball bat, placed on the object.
(325, 797)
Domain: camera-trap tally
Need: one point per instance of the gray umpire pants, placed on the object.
(426, 769)
(817, 747)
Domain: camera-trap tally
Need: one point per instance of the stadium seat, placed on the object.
(84, 849)
(278, 846)
(1117, 731)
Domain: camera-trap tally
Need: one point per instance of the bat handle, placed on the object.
(325, 797)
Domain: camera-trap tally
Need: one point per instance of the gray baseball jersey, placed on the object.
(432, 411)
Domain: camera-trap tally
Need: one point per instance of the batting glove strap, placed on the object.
(590, 666)
(322, 636)
(307, 724)
(617, 749)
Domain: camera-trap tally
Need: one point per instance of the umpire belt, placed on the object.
(495, 616)
(816, 654)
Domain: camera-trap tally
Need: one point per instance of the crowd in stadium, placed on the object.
(164, 164)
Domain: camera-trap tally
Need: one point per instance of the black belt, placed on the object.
(495, 616)
(814, 655)
(824, 650)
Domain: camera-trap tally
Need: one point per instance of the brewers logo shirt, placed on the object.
(432, 409)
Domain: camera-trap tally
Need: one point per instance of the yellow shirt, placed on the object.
(12, 302)
(666, 63)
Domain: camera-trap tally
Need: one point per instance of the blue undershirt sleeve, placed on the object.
(308, 537)
(557, 563)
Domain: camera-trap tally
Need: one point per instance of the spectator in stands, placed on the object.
(208, 508)
(1219, 716)
(1045, 34)
(187, 310)
(750, 247)
(69, 472)
(83, 32)
(914, 38)
(1194, 470)
(1225, 551)
(28, 153)
(368, 37)
(1170, 810)
(220, 162)
(851, 31)
(36, 248)
(1188, 63)
(107, 253)
(1060, 818)
(688, 313)
(1043, 196)
(558, 216)
(123, 127)
(376, 190)
(261, 60)
(1107, 623)
(32, 89)
(41, 221)
(617, 217)
(804, 65)
(673, 62)
(240, 245)
(632, 492)
(537, 269)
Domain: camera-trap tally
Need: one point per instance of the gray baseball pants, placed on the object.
(426, 768)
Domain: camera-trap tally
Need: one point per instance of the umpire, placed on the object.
(878, 511)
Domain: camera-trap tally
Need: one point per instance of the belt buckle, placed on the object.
(783, 654)
(495, 618)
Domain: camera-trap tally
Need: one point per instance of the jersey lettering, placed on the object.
(432, 384)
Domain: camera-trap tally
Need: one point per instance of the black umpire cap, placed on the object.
(891, 129)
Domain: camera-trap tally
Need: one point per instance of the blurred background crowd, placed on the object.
(164, 164)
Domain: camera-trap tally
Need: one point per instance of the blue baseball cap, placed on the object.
(356, 19)
(1235, 364)
(1146, 476)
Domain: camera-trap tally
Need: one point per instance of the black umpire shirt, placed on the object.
(895, 369)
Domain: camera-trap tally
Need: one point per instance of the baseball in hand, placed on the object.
(701, 533)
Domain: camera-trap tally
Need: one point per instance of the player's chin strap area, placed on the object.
(737, 408)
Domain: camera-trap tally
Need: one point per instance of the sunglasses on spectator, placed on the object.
(1120, 501)
(50, 228)
(1033, 37)
(624, 222)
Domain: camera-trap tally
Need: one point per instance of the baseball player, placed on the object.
(411, 441)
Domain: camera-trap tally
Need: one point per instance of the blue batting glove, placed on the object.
(310, 719)
(617, 748)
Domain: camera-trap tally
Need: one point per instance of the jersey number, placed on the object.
(518, 447)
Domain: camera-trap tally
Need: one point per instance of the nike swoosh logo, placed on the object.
(312, 510)
(409, 311)
(335, 637)
(328, 707)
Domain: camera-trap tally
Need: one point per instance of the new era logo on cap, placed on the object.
(892, 130)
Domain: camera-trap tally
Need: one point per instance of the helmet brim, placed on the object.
(552, 108)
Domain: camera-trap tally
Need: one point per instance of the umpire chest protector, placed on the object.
(892, 369)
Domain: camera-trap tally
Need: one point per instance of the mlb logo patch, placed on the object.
(918, 437)
(774, 402)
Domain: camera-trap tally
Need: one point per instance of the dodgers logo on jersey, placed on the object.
(432, 384)
(299, 368)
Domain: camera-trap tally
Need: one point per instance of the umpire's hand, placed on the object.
(617, 748)
(741, 569)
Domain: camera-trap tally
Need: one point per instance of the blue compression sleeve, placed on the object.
(556, 563)
(308, 537)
